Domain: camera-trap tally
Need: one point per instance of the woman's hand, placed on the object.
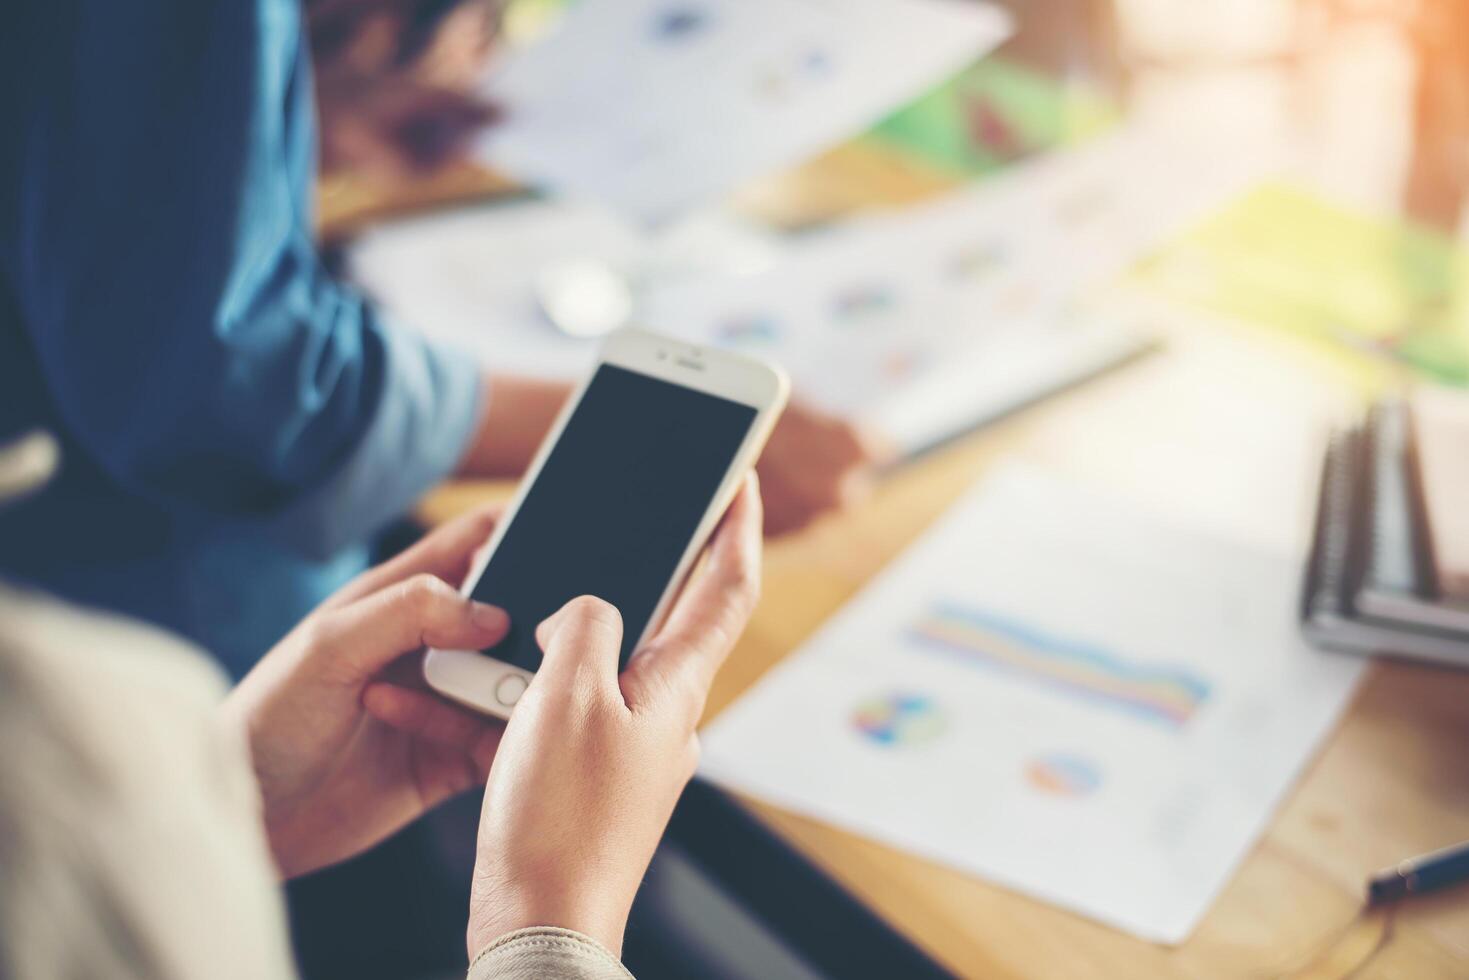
(814, 464)
(395, 83)
(333, 778)
(593, 762)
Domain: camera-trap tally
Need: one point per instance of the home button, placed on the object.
(509, 690)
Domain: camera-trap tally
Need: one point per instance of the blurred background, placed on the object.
(1372, 92)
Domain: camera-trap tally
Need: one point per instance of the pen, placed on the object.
(1420, 874)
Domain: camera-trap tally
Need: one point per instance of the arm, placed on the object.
(192, 341)
(512, 422)
(593, 760)
(164, 264)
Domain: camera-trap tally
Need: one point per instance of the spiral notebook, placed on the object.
(1369, 586)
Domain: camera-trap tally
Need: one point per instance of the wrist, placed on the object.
(514, 416)
(491, 917)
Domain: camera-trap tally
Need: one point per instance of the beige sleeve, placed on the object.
(131, 845)
(546, 953)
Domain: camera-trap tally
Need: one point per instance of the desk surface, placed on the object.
(1392, 781)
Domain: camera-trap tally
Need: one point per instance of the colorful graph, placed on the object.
(899, 719)
(1163, 694)
(1063, 774)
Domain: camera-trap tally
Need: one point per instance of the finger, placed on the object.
(583, 644)
(444, 553)
(423, 716)
(547, 628)
(712, 611)
(371, 633)
(405, 671)
(441, 773)
(437, 770)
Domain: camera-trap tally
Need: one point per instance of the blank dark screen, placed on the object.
(614, 506)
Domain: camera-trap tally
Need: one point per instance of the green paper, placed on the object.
(991, 114)
(1283, 258)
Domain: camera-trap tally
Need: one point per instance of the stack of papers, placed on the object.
(655, 105)
(919, 324)
(1057, 691)
(929, 321)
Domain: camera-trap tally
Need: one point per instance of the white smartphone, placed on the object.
(618, 503)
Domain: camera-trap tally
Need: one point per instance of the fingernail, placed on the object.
(488, 617)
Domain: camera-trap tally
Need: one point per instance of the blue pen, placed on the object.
(1415, 876)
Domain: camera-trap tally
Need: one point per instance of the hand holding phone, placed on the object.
(618, 503)
(590, 767)
(333, 782)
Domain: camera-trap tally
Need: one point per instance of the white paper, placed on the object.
(924, 322)
(1055, 691)
(919, 323)
(654, 105)
(469, 277)
(1215, 432)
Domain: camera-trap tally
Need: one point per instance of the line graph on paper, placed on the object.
(1164, 694)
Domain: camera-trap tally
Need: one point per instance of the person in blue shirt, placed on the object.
(235, 424)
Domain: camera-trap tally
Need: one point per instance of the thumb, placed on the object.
(582, 640)
(371, 633)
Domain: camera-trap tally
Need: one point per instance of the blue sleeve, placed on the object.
(165, 267)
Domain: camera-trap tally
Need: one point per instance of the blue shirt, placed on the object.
(234, 422)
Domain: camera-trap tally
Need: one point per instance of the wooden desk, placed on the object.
(1391, 782)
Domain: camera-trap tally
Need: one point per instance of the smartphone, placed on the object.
(618, 503)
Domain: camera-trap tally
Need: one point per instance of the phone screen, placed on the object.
(614, 506)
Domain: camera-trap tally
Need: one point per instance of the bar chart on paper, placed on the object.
(1054, 690)
(1167, 695)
